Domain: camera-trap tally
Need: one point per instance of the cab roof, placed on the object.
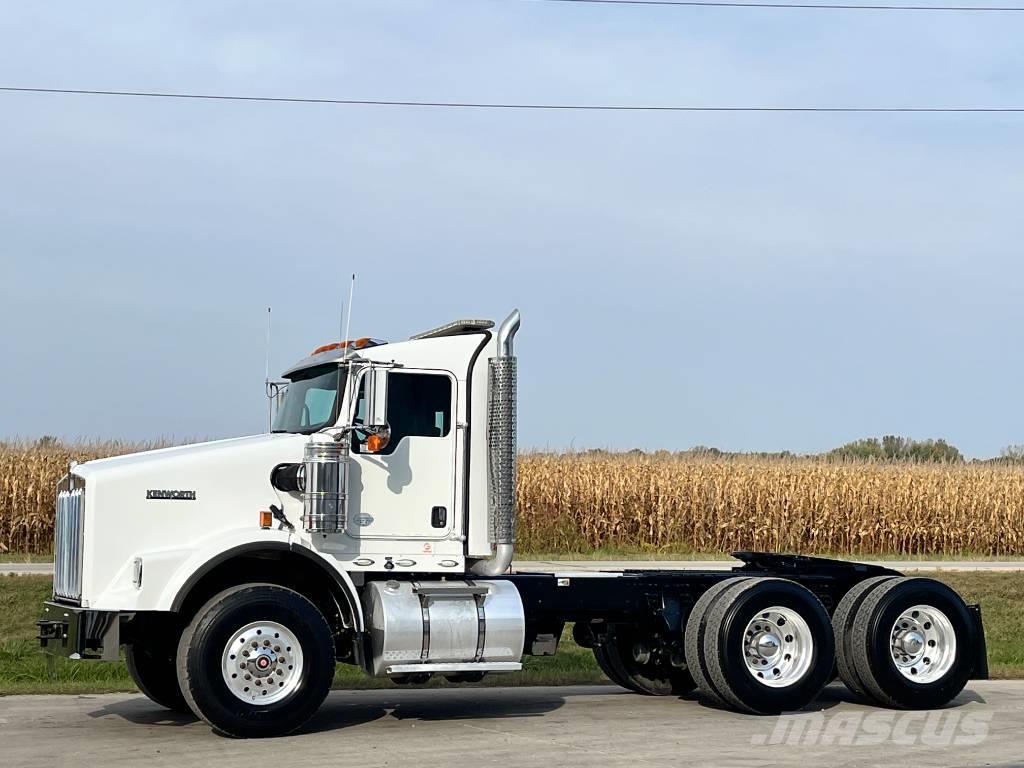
(335, 352)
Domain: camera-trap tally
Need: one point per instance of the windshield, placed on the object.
(312, 400)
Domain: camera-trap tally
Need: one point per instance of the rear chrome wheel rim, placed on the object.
(262, 662)
(922, 644)
(778, 647)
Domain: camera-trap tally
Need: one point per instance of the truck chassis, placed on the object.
(656, 632)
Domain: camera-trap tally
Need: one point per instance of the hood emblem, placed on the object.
(171, 495)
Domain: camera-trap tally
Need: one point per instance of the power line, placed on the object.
(803, 6)
(508, 105)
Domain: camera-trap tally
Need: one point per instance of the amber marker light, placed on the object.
(376, 443)
(329, 347)
(266, 519)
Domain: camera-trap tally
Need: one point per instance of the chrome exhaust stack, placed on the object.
(501, 451)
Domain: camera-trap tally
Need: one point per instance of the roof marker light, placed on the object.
(361, 343)
(330, 347)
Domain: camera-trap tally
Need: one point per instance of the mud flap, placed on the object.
(981, 650)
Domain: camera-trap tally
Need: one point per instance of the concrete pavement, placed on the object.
(26, 569)
(585, 726)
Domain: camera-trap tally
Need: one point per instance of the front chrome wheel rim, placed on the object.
(778, 647)
(923, 644)
(262, 662)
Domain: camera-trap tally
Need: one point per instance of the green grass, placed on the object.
(669, 553)
(24, 669)
(1001, 596)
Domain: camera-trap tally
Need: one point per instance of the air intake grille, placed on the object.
(67, 565)
(501, 449)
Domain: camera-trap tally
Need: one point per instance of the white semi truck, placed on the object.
(375, 525)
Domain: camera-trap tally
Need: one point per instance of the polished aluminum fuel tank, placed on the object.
(437, 623)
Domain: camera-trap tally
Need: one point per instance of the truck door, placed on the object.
(407, 490)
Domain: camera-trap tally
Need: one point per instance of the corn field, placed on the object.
(29, 472)
(580, 502)
(671, 502)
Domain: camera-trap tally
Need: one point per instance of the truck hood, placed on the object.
(162, 505)
(197, 454)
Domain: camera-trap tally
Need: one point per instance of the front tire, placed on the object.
(257, 660)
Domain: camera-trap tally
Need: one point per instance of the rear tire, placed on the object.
(842, 632)
(693, 639)
(465, 677)
(768, 646)
(609, 670)
(284, 652)
(640, 664)
(152, 666)
(913, 644)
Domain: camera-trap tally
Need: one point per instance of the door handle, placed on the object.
(439, 517)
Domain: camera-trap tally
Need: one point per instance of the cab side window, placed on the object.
(419, 405)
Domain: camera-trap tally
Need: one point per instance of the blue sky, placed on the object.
(756, 282)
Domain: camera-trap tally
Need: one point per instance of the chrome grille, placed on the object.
(67, 546)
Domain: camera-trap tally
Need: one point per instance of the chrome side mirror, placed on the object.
(375, 410)
(375, 387)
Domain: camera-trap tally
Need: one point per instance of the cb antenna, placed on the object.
(266, 381)
(348, 318)
(349, 349)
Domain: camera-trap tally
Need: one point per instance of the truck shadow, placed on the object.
(345, 708)
(837, 694)
(142, 711)
(349, 708)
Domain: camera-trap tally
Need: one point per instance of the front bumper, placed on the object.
(78, 633)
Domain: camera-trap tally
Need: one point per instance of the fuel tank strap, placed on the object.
(480, 596)
(424, 597)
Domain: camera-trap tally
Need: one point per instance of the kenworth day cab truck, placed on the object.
(374, 526)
